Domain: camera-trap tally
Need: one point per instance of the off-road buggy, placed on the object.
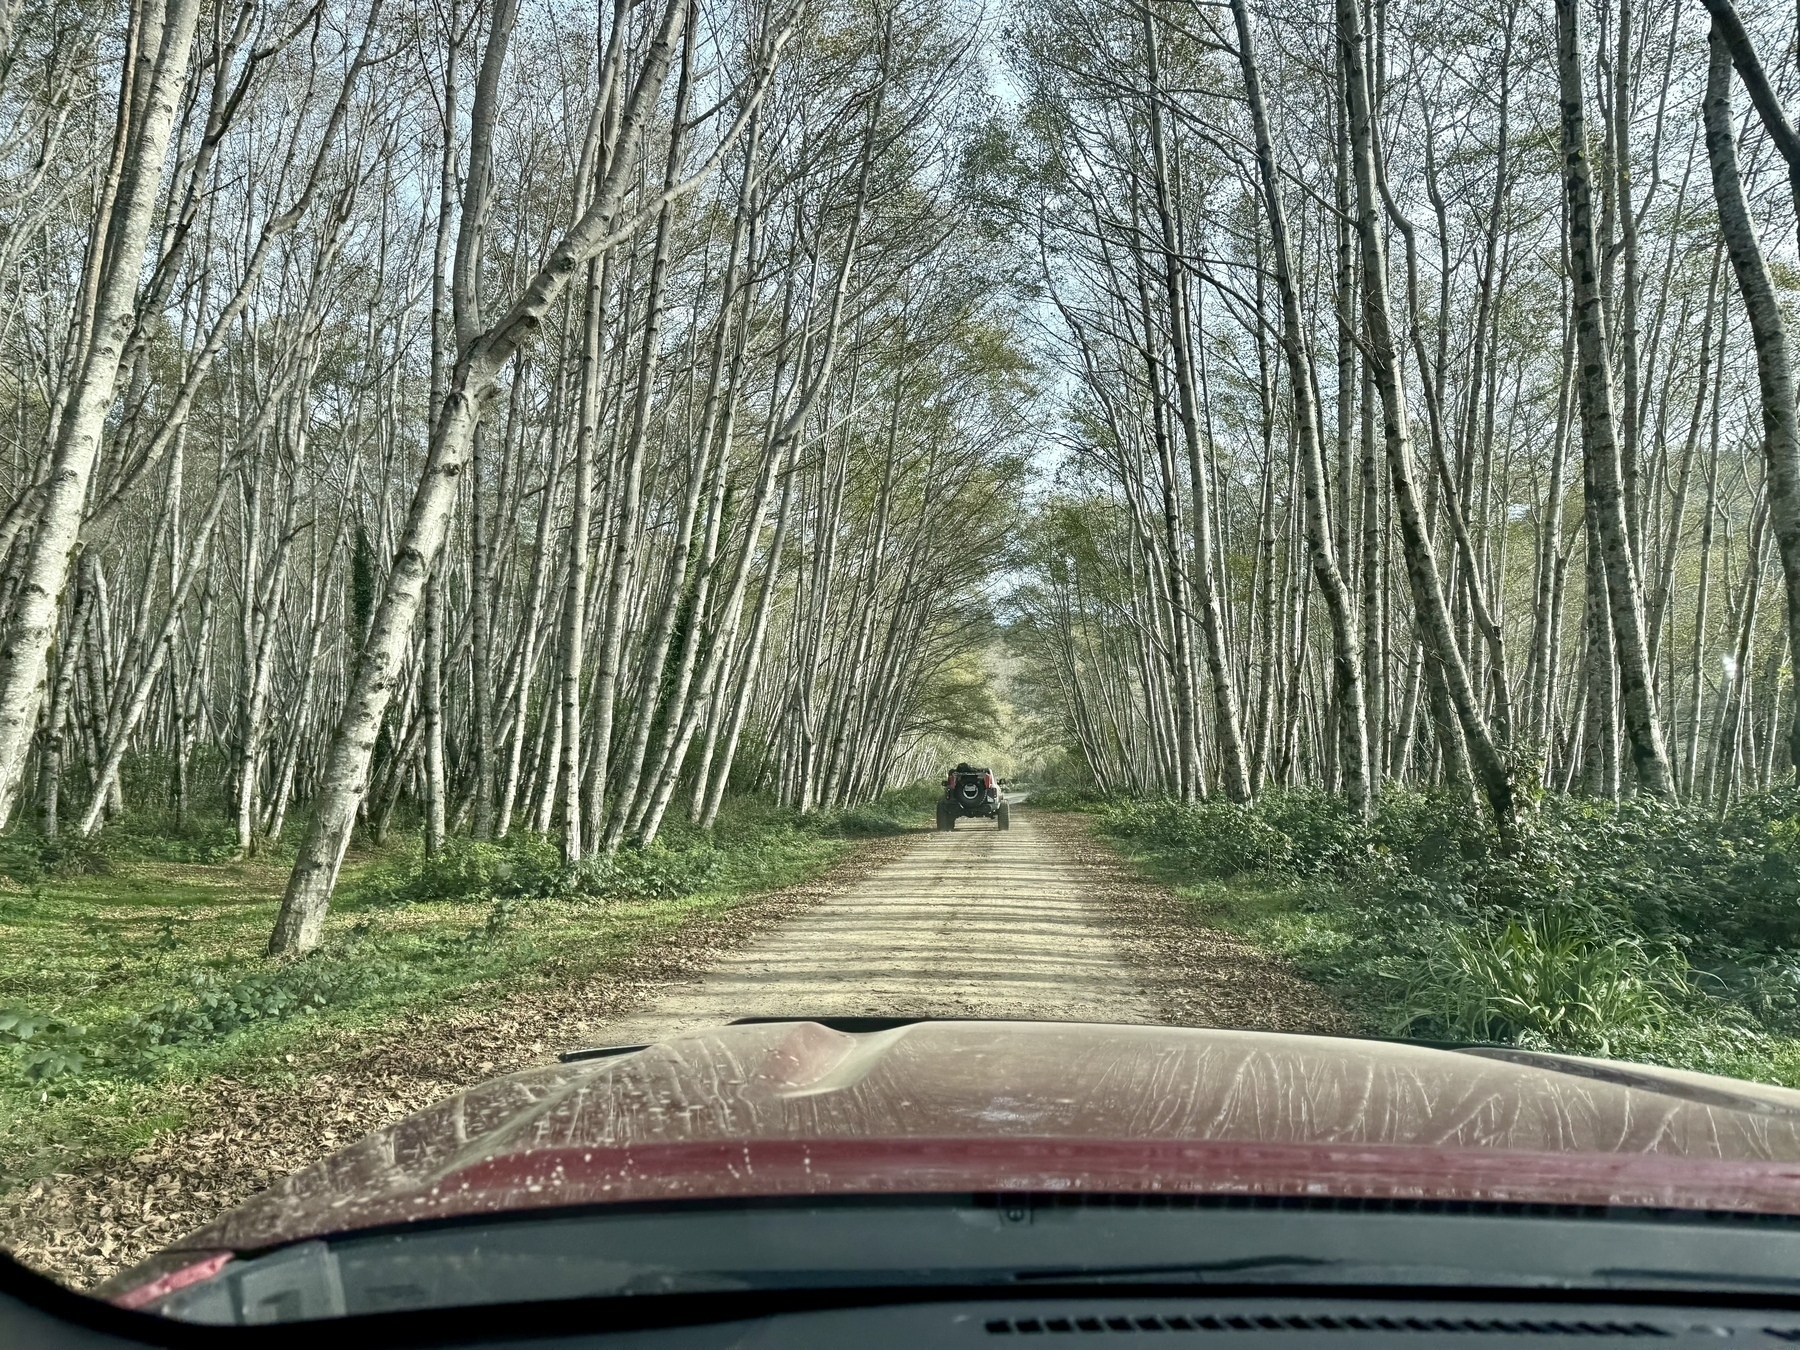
(972, 792)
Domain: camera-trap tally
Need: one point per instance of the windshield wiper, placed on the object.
(1308, 1269)
(1199, 1271)
(1629, 1276)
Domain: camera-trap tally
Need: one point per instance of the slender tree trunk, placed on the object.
(1665, 581)
(1233, 767)
(657, 650)
(432, 697)
(1600, 446)
(1774, 369)
(50, 763)
(575, 598)
(300, 923)
(753, 650)
(1729, 28)
(1346, 668)
(1626, 339)
(1431, 613)
(146, 683)
(1731, 716)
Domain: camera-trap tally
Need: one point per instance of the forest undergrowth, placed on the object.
(133, 965)
(1663, 933)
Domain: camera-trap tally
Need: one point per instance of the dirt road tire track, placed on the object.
(1037, 921)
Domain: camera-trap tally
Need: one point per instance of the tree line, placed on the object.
(1431, 408)
(522, 416)
(506, 416)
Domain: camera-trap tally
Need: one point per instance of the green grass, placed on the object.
(125, 980)
(1640, 932)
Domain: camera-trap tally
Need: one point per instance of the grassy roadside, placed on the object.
(128, 977)
(1645, 932)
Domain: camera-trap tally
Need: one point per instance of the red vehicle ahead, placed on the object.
(881, 1181)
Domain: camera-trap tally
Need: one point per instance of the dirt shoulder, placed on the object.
(1197, 976)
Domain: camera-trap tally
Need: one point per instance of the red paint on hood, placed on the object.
(799, 1109)
(566, 1176)
(190, 1271)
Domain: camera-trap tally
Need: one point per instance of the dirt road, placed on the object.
(1040, 921)
(977, 922)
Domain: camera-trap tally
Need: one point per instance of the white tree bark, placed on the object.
(156, 87)
(607, 220)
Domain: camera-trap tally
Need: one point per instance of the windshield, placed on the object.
(674, 645)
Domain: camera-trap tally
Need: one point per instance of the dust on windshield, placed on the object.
(532, 527)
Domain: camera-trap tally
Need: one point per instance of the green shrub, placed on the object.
(1637, 925)
(522, 866)
(1070, 799)
(654, 873)
(1551, 979)
(1065, 776)
(1323, 836)
(1302, 832)
(530, 867)
(898, 812)
(31, 858)
(154, 836)
(45, 1048)
(1767, 988)
(1214, 839)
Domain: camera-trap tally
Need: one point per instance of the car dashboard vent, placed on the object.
(1483, 1326)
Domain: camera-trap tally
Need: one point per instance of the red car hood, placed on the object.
(796, 1108)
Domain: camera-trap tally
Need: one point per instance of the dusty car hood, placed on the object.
(798, 1108)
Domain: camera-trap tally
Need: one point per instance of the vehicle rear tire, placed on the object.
(1004, 818)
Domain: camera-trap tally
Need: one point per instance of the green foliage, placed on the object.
(1728, 884)
(153, 835)
(1649, 928)
(1217, 839)
(959, 705)
(45, 1048)
(149, 834)
(1301, 832)
(895, 813)
(215, 1007)
(657, 872)
(1086, 800)
(125, 985)
(31, 858)
(522, 866)
(1062, 781)
(1550, 980)
(753, 844)
(206, 997)
(750, 845)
